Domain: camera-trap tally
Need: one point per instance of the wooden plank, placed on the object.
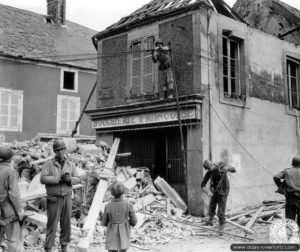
(241, 214)
(92, 217)
(240, 227)
(254, 217)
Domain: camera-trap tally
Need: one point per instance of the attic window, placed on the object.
(49, 20)
(69, 81)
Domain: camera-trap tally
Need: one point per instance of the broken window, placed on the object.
(293, 83)
(231, 67)
(69, 81)
(67, 113)
(142, 72)
(11, 110)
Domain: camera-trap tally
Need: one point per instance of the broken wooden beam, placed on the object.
(92, 217)
(254, 217)
(248, 230)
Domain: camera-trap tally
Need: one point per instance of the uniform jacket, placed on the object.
(218, 178)
(51, 173)
(9, 192)
(291, 177)
(118, 217)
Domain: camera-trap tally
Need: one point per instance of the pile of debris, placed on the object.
(160, 210)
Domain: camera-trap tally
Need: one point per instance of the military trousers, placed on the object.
(14, 236)
(292, 208)
(59, 209)
(220, 200)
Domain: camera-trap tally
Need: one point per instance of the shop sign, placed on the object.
(147, 118)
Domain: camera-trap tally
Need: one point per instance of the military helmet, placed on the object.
(58, 145)
(159, 41)
(296, 161)
(6, 153)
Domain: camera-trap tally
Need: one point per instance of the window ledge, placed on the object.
(233, 101)
(291, 111)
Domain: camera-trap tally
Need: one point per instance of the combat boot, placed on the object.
(64, 248)
(221, 228)
(209, 222)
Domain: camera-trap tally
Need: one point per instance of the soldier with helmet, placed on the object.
(162, 55)
(58, 175)
(288, 182)
(11, 211)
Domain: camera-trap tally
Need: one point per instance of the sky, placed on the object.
(98, 14)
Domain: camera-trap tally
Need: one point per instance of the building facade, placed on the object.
(44, 76)
(238, 98)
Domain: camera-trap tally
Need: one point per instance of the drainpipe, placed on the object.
(209, 12)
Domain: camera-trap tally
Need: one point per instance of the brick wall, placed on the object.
(179, 32)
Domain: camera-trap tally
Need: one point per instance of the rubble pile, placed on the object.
(160, 210)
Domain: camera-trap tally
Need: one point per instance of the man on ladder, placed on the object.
(162, 55)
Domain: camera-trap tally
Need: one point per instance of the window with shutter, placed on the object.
(11, 110)
(142, 75)
(67, 113)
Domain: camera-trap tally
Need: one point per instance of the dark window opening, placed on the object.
(69, 80)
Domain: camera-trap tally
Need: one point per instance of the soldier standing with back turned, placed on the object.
(288, 182)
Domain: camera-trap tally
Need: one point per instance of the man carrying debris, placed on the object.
(162, 55)
(11, 211)
(59, 174)
(219, 185)
(288, 182)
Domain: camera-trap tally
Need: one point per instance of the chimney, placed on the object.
(56, 9)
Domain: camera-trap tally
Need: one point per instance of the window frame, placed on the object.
(20, 95)
(142, 58)
(75, 90)
(59, 110)
(237, 69)
(290, 60)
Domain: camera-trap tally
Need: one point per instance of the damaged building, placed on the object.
(238, 98)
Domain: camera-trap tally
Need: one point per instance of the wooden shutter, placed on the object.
(136, 68)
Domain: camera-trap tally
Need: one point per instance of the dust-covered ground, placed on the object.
(204, 241)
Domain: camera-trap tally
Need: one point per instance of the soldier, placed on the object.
(59, 174)
(288, 182)
(11, 211)
(162, 55)
(219, 185)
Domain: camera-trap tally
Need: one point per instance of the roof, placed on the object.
(163, 8)
(26, 34)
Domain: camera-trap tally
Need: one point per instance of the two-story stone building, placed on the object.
(237, 89)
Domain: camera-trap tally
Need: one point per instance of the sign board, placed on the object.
(146, 118)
